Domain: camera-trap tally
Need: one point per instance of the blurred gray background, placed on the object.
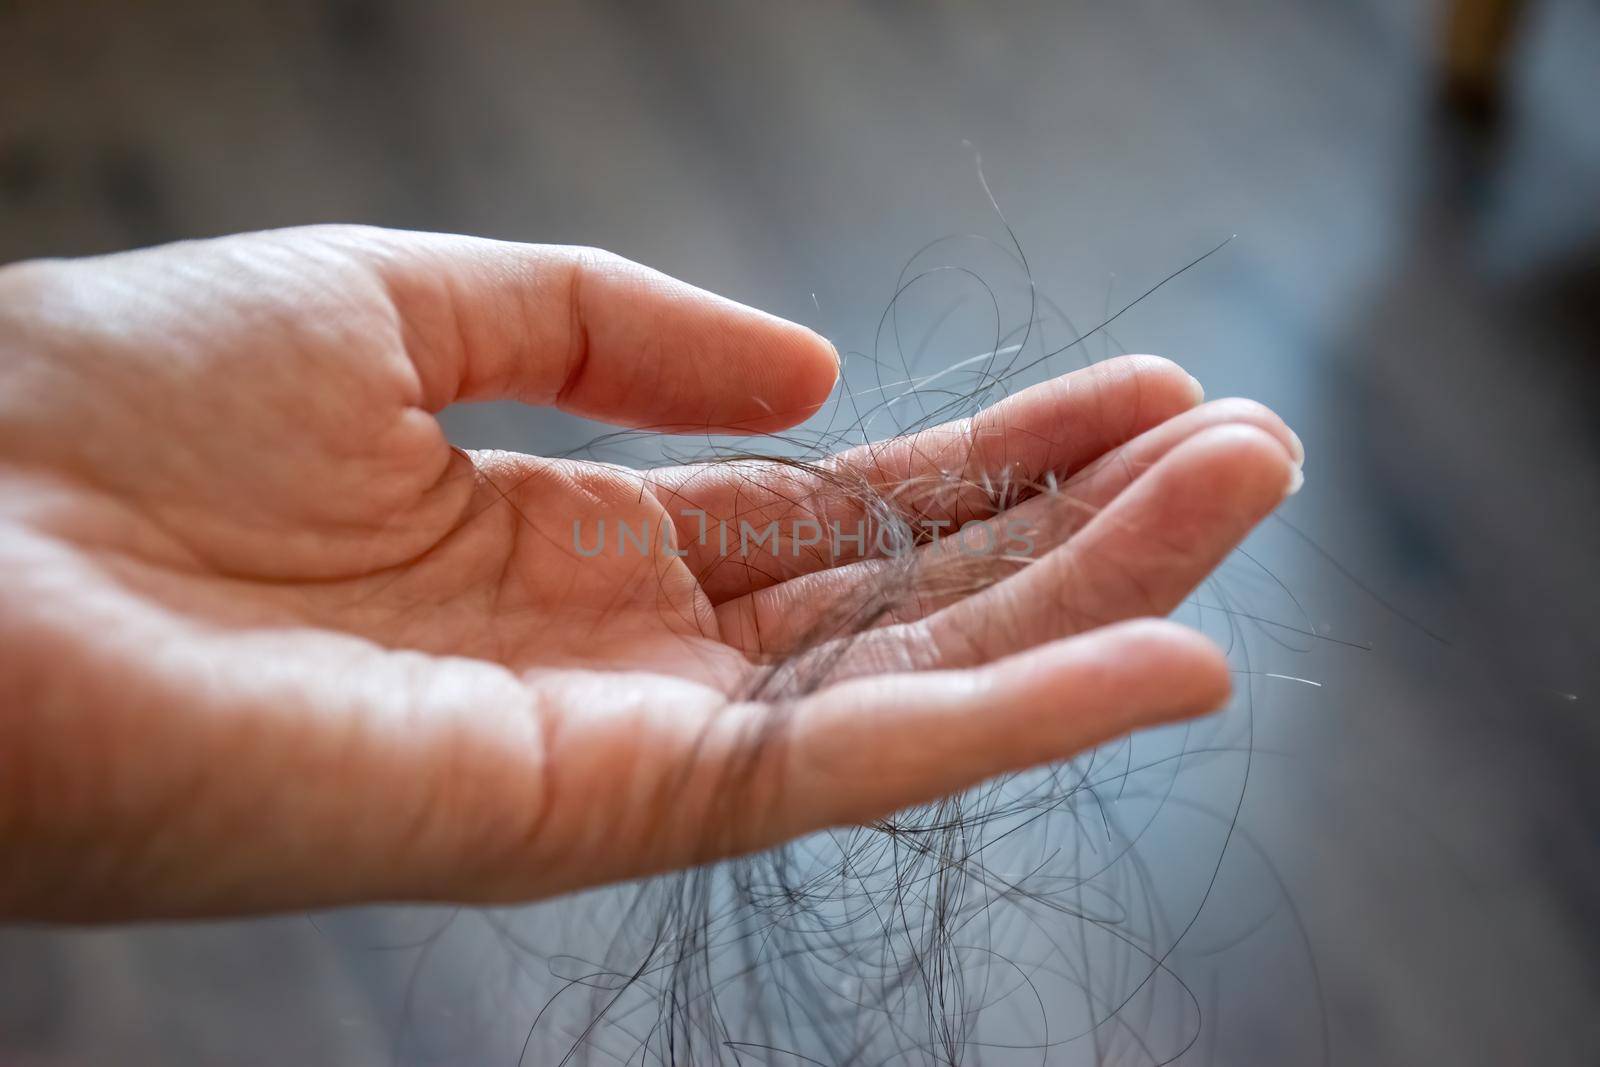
(1415, 286)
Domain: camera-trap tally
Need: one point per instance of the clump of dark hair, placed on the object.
(1031, 905)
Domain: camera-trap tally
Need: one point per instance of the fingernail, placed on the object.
(1198, 389)
(1297, 479)
(1296, 448)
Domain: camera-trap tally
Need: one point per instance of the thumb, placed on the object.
(589, 332)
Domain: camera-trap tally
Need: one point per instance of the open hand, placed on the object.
(268, 641)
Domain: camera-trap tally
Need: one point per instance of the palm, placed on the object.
(389, 661)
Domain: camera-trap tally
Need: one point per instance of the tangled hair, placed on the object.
(1029, 920)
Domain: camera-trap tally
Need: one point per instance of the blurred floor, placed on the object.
(1417, 295)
